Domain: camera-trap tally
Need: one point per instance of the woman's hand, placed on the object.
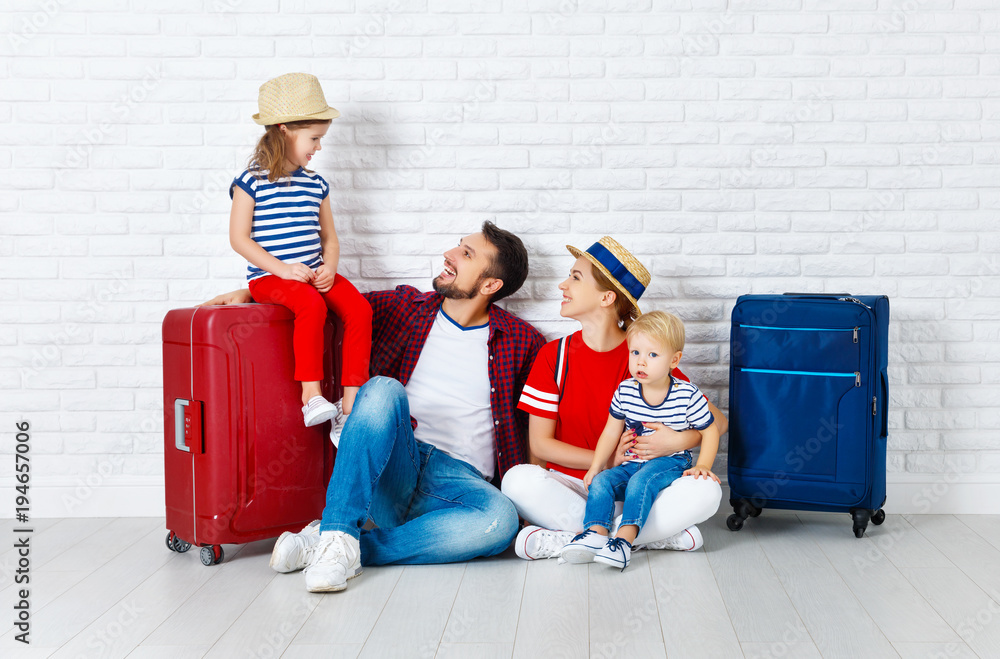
(296, 272)
(702, 472)
(664, 441)
(241, 296)
(324, 278)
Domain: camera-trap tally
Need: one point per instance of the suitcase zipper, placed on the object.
(856, 374)
(807, 329)
(854, 300)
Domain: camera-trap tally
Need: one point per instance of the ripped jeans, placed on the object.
(428, 507)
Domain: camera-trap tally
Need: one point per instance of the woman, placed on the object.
(567, 397)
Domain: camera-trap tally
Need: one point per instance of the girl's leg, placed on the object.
(546, 500)
(685, 502)
(356, 315)
(307, 338)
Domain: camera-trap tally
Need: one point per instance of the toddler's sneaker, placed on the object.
(583, 547)
(318, 410)
(337, 558)
(294, 551)
(615, 553)
(534, 542)
(687, 540)
(337, 423)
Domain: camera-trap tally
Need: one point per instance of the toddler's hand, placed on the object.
(297, 272)
(324, 278)
(589, 477)
(625, 442)
(702, 472)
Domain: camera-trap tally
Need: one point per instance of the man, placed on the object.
(436, 422)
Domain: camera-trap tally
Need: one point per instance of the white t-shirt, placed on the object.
(449, 393)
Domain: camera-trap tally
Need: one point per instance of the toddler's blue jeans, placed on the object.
(635, 483)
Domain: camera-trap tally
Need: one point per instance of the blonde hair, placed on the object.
(269, 153)
(663, 327)
(626, 311)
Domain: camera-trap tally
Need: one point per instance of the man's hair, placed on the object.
(664, 328)
(510, 262)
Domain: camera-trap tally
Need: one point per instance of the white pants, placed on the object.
(554, 500)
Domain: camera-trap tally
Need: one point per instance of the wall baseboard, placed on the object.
(910, 494)
(934, 494)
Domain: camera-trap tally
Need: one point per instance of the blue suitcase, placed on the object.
(808, 399)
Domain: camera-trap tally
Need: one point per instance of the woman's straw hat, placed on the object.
(618, 264)
(292, 97)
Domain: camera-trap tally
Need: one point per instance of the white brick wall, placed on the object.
(753, 146)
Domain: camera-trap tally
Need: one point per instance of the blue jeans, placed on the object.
(635, 483)
(428, 507)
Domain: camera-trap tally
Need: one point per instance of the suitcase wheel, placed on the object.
(174, 543)
(742, 509)
(861, 517)
(212, 555)
(878, 517)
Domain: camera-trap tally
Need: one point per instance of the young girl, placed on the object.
(652, 395)
(282, 224)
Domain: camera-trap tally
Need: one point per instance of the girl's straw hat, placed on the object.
(292, 97)
(617, 263)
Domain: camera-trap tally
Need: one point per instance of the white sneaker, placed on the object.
(294, 551)
(336, 559)
(583, 547)
(534, 542)
(615, 553)
(318, 410)
(337, 423)
(687, 540)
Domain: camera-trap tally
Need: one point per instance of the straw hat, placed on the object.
(625, 271)
(292, 97)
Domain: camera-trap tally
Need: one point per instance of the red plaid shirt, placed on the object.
(402, 319)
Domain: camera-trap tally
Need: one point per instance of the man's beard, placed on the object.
(453, 292)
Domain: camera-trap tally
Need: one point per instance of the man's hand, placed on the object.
(324, 278)
(241, 296)
(702, 472)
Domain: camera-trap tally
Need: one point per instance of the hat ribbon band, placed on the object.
(617, 269)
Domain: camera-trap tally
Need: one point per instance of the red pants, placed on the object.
(310, 307)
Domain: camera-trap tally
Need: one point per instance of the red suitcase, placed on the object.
(239, 464)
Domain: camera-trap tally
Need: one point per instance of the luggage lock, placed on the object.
(187, 426)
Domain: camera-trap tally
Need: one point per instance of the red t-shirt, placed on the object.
(590, 381)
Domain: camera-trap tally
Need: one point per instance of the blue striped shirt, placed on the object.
(285, 216)
(684, 407)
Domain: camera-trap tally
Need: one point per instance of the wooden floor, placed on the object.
(788, 585)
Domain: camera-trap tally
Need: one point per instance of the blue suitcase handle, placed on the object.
(885, 404)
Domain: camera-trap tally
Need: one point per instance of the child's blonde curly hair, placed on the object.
(666, 328)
